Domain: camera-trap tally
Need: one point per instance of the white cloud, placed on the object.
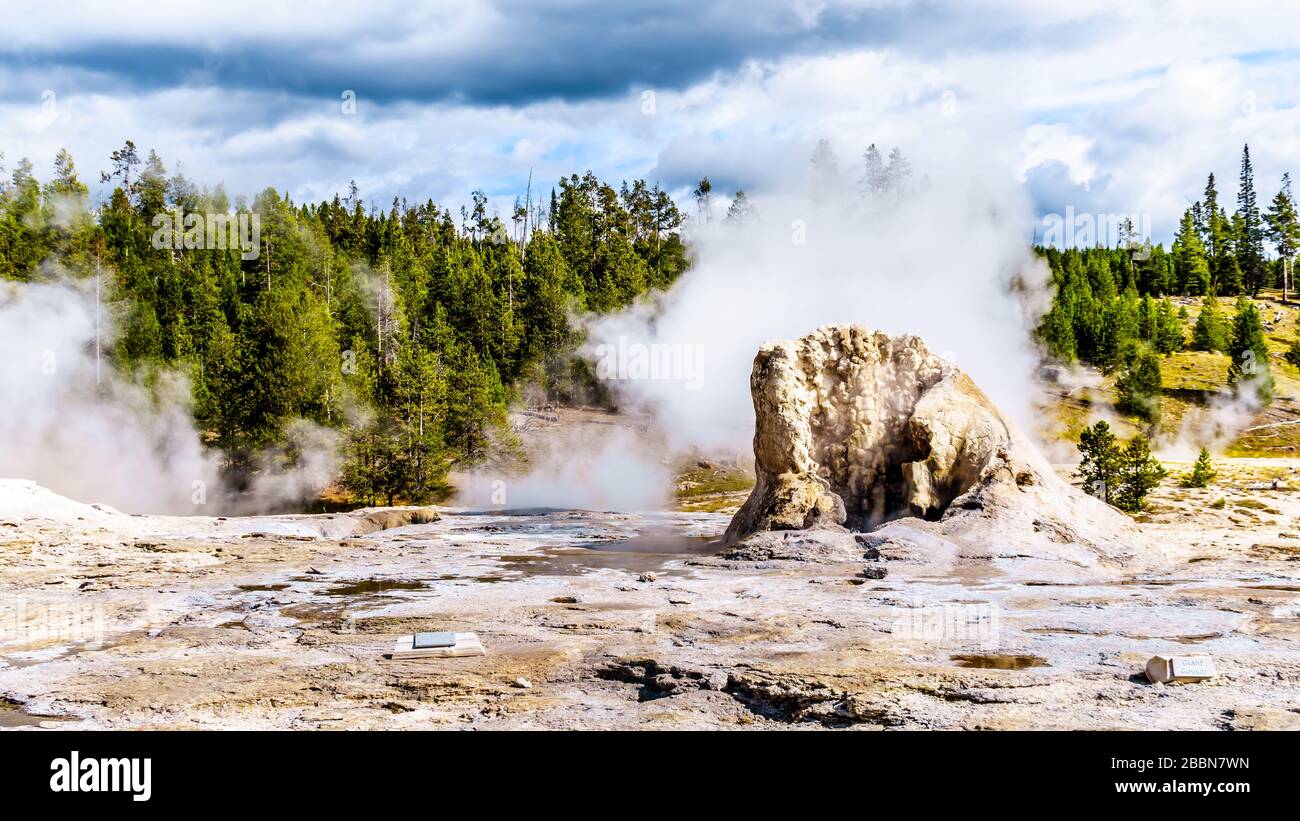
(1138, 101)
(1044, 143)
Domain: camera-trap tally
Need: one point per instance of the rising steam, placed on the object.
(70, 422)
(949, 262)
(940, 263)
(587, 466)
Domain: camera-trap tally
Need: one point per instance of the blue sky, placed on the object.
(1108, 107)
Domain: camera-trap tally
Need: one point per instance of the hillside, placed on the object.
(1191, 380)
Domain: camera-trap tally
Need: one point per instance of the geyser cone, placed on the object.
(854, 429)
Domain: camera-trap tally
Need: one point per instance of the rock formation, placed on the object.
(855, 430)
(391, 517)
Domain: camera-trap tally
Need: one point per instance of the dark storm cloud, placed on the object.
(528, 52)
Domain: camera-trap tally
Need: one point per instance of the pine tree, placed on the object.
(125, 160)
(361, 472)
(474, 402)
(740, 210)
(1202, 472)
(549, 293)
(898, 173)
(1056, 332)
(703, 199)
(1225, 271)
(1169, 328)
(622, 274)
(1228, 278)
(825, 180)
(1140, 385)
(1249, 352)
(141, 342)
(1100, 467)
(1191, 269)
(151, 187)
(22, 225)
(217, 385)
(1147, 327)
(1139, 474)
(419, 405)
(874, 184)
(1210, 213)
(1249, 231)
(1211, 330)
(1119, 332)
(1283, 229)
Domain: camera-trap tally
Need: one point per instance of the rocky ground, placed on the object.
(597, 620)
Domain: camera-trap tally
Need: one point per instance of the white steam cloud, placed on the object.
(1226, 415)
(943, 261)
(939, 263)
(605, 468)
(69, 422)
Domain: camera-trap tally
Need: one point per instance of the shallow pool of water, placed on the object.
(999, 661)
(13, 717)
(362, 587)
(659, 543)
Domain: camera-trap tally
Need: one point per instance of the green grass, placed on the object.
(706, 487)
(1194, 371)
(701, 480)
(717, 504)
(1253, 504)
